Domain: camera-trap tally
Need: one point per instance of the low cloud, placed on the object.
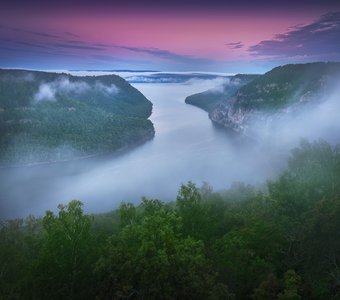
(316, 119)
(48, 91)
(214, 85)
(28, 77)
(217, 85)
(106, 89)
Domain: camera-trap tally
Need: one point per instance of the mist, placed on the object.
(48, 91)
(106, 89)
(314, 119)
(187, 146)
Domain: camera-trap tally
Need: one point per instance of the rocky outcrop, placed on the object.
(228, 115)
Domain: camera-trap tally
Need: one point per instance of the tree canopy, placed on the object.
(281, 242)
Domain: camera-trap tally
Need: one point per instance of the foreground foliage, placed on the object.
(279, 243)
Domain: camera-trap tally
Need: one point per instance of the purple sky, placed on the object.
(224, 36)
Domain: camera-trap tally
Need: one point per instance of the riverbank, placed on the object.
(119, 152)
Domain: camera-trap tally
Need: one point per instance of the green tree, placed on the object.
(11, 258)
(244, 256)
(64, 267)
(321, 249)
(128, 214)
(313, 173)
(268, 289)
(152, 260)
(190, 209)
(292, 285)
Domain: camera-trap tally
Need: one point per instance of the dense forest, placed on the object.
(49, 116)
(288, 84)
(280, 241)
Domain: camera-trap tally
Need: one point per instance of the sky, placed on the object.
(243, 36)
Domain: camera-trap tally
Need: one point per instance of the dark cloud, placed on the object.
(235, 45)
(23, 52)
(37, 33)
(165, 54)
(75, 42)
(32, 44)
(15, 43)
(80, 47)
(93, 46)
(43, 39)
(103, 45)
(320, 38)
(39, 44)
(63, 42)
(30, 32)
(71, 34)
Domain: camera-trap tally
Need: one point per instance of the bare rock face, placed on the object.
(228, 115)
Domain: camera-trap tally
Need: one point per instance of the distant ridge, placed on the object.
(122, 71)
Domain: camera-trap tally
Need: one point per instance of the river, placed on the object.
(186, 147)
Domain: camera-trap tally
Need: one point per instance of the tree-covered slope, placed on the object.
(50, 116)
(208, 100)
(282, 242)
(281, 88)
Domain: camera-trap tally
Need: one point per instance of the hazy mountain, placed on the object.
(49, 116)
(281, 91)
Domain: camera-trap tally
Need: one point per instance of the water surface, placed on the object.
(186, 147)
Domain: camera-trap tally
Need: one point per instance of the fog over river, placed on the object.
(186, 147)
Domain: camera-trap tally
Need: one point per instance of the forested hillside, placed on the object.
(279, 242)
(284, 89)
(50, 116)
(286, 85)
